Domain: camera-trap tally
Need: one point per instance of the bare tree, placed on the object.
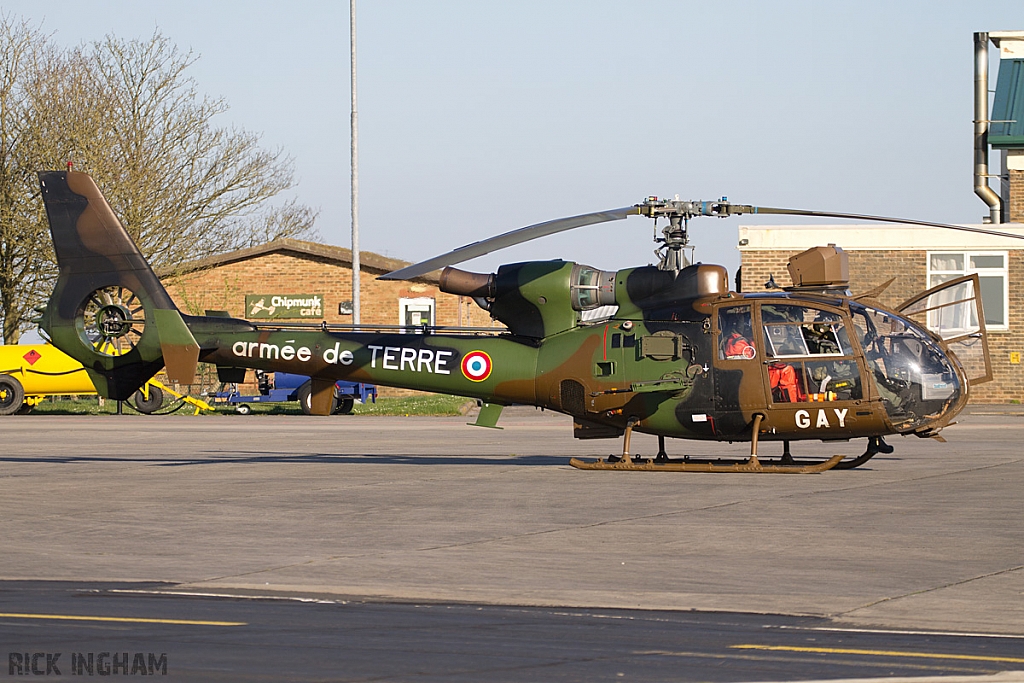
(185, 188)
(27, 270)
(128, 113)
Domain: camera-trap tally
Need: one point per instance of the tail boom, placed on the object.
(454, 364)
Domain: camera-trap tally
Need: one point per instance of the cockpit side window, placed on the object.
(801, 331)
(736, 333)
(811, 358)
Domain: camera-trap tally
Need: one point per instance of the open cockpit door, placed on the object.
(953, 311)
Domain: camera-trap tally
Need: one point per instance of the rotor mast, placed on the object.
(676, 235)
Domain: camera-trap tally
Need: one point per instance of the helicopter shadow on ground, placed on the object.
(221, 458)
(375, 459)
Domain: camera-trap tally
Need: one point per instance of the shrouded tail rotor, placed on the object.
(113, 321)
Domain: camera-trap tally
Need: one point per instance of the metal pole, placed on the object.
(355, 171)
(981, 174)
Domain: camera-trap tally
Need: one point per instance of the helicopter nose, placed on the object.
(949, 410)
(921, 398)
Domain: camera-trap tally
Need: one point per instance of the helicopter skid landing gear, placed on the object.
(876, 445)
(662, 463)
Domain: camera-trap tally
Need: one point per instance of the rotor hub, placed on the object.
(113, 321)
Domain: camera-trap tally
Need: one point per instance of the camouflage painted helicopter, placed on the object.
(666, 349)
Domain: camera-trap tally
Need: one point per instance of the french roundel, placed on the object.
(476, 366)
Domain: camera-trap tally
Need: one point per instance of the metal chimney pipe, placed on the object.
(981, 122)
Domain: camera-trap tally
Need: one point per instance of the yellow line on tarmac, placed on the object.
(879, 653)
(123, 620)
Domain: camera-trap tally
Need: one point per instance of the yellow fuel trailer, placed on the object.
(30, 372)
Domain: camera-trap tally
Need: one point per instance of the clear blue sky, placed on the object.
(480, 117)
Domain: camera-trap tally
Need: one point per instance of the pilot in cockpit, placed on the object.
(737, 334)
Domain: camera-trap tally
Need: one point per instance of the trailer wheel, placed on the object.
(12, 395)
(305, 393)
(305, 399)
(150, 405)
(243, 409)
(343, 405)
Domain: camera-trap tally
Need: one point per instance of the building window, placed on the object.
(415, 312)
(993, 275)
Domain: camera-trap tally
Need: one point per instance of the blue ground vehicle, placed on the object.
(281, 387)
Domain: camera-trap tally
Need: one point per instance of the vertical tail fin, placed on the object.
(108, 309)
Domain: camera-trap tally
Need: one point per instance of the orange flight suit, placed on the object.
(738, 346)
(783, 376)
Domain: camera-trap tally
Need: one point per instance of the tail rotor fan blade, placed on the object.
(508, 239)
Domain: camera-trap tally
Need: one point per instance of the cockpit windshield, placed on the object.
(913, 375)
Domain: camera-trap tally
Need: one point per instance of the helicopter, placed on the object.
(665, 349)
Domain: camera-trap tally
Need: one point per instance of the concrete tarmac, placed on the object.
(279, 638)
(429, 509)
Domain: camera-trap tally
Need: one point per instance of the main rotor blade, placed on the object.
(880, 219)
(508, 239)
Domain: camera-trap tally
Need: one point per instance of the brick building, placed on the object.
(918, 258)
(301, 270)
(294, 267)
(1013, 185)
